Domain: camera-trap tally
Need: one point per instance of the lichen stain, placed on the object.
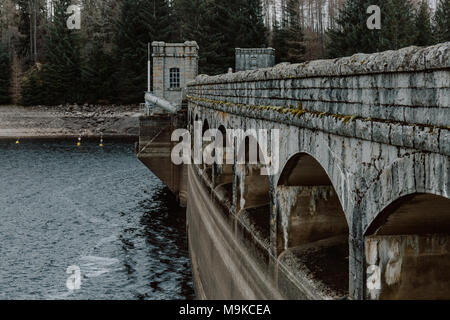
(240, 172)
(286, 199)
(223, 115)
(317, 194)
(372, 252)
(394, 265)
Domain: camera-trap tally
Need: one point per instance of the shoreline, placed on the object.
(116, 138)
(67, 122)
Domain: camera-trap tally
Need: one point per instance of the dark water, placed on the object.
(98, 209)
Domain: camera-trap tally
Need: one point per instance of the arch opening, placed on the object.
(205, 167)
(312, 231)
(223, 171)
(251, 199)
(407, 249)
(253, 187)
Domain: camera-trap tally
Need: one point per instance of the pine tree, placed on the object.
(279, 43)
(23, 46)
(61, 72)
(219, 27)
(352, 34)
(189, 15)
(140, 22)
(423, 36)
(31, 15)
(442, 21)
(216, 51)
(32, 90)
(288, 38)
(397, 25)
(97, 82)
(5, 75)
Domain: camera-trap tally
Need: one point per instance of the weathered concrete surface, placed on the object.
(227, 262)
(369, 131)
(408, 267)
(182, 56)
(392, 86)
(254, 58)
(155, 147)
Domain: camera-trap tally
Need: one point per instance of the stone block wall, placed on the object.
(378, 125)
(254, 58)
(410, 86)
(173, 55)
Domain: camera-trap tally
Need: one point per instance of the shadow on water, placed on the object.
(163, 225)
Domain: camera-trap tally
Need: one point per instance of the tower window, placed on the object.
(174, 78)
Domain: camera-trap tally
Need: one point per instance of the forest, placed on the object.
(43, 62)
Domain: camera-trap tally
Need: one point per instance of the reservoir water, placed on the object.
(98, 210)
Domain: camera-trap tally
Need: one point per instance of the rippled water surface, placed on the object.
(98, 209)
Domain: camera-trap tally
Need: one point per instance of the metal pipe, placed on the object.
(164, 104)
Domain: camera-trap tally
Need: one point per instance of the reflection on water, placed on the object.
(96, 208)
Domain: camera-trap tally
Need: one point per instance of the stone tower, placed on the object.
(254, 58)
(174, 65)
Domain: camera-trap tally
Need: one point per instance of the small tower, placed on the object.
(254, 58)
(174, 65)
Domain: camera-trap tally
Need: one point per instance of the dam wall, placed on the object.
(355, 205)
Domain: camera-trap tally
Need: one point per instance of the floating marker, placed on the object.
(18, 141)
(79, 142)
(101, 142)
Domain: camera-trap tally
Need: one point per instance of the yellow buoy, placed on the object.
(17, 142)
(101, 142)
(79, 142)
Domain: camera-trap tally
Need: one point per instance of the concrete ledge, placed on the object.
(417, 136)
(409, 59)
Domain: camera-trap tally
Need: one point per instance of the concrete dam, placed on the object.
(357, 205)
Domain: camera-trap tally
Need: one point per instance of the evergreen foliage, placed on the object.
(140, 22)
(111, 67)
(442, 21)
(61, 72)
(352, 35)
(24, 28)
(97, 82)
(423, 35)
(219, 27)
(32, 89)
(288, 38)
(5, 75)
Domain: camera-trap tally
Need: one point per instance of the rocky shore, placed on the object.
(68, 121)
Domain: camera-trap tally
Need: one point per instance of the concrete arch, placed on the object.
(410, 174)
(252, 201)
(312, 228)
(415, 213)
(252, 188)
(224, 172)
(334, 173)
(408, 249)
